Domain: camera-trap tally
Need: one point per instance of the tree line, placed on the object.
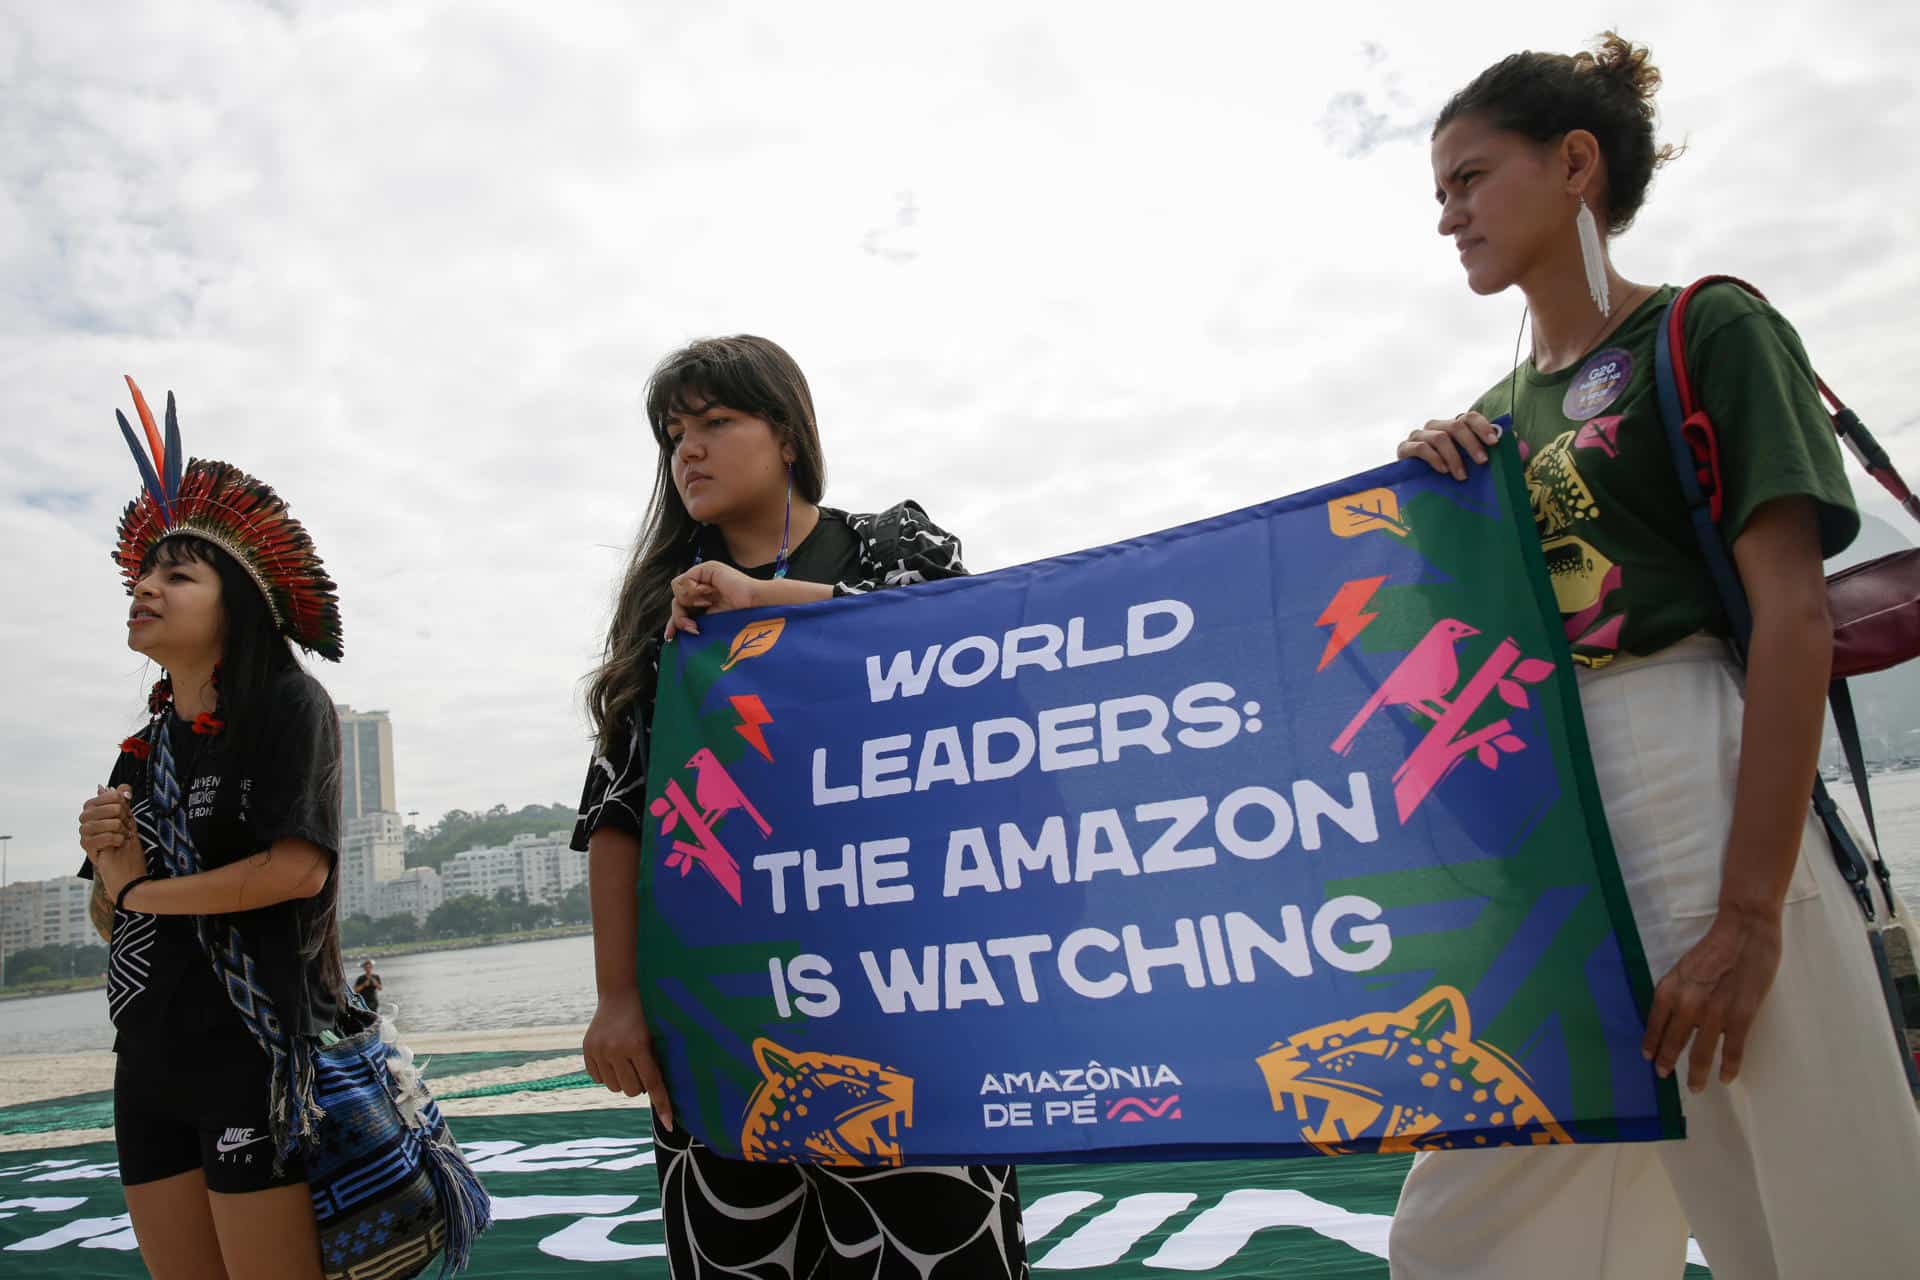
(44, 964)
(459, 830)
(468, 916)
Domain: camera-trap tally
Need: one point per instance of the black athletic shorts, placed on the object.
(728, 1219)
(199, 1102)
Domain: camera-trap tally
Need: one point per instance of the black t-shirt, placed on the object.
(827, 554)
(159, 979)
(856, 553)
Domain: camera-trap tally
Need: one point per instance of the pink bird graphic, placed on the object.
(676, 811)
(717, 794)
(1422, 681)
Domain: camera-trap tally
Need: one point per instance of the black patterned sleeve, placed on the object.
(616, 786)
(615, 794)
(898, 547)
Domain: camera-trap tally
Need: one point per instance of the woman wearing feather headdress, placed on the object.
(217, 833)
(735, 523)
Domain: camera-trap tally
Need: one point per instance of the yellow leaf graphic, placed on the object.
(1363, 512)
(754, 639)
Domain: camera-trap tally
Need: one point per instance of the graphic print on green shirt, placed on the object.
(1612, 521)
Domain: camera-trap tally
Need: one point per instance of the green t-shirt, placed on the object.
(1620, 550)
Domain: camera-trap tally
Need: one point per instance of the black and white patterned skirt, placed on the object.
(810, 1222)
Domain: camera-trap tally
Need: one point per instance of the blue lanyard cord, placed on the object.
(786, 534)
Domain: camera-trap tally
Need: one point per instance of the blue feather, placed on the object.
(173, 454)
(140, 459)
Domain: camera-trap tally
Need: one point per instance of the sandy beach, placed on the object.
(28, 1078)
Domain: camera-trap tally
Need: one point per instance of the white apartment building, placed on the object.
(549, 868)
(481, 873)
(415, 892)
(63, 911)
(540, 866)
(375, 849)
(46, 913)
(19, 915)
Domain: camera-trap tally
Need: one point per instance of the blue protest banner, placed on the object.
(1271, 833)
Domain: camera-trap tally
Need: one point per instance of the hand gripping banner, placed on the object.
(1274, 833)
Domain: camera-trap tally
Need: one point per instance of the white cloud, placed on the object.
(412, 262)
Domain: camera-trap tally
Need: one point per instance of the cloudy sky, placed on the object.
(1063, 273)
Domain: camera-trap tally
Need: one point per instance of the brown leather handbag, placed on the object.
(1876, 614)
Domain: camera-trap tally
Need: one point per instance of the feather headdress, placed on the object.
(244, 517)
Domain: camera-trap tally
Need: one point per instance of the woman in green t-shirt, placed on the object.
(1803, 1146)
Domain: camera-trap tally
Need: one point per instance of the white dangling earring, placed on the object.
(1593, 257)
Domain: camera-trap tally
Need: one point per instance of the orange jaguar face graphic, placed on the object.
(824, 1108)
(1394, 1081)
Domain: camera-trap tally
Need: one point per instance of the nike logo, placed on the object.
(234, 1139)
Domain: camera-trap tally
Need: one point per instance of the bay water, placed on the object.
(549, 982)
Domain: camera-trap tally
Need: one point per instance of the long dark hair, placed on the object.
(253, 655)
(252, 650)
(744, 373)
(1608, 92)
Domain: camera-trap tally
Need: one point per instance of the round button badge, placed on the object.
(1598, 383)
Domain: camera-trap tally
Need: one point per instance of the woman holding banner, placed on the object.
(1803, 1146)
(735, 522)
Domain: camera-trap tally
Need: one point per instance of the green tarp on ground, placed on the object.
(576, 1196)
(95, 1110)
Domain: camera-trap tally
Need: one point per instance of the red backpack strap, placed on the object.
(1854, 434)
(1703, 442)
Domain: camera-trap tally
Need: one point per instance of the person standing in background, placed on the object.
(367, 986)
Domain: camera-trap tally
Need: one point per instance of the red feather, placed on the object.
(154, 446)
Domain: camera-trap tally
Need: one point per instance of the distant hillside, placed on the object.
(459, 830)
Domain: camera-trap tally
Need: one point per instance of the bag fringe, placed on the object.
(294, 1113)
(468, 1208)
